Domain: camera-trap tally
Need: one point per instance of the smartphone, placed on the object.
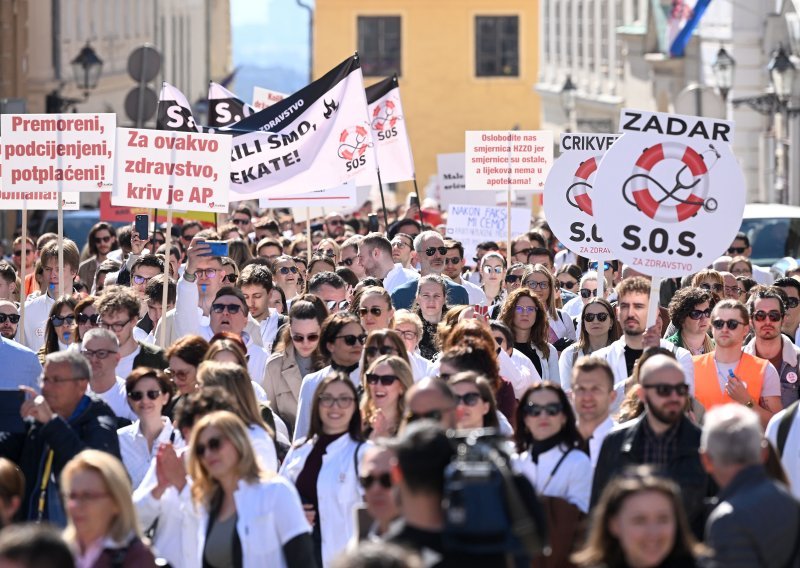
(414, 201)
(372, 223)
(10, 404)
(218, 248)
(142, 226)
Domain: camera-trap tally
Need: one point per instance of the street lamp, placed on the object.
(782, 73)
(568, 100)
(723, 68)
(87, 67)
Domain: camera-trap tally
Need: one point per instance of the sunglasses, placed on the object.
(159, 242)
(348, 261)
(551, 409)
(792, 302)
(343, 402)
(774, 316)
(336, 304)
(602, 316)
(374, 310)
(737, 250)
(714, 287)
(232, 308)
(310, 338)
(13, 318)
(593, 266)
(384, 380)
(513, 278)
(525, 309)
(430, 251)
(351, 340)
(287, 269)
(141, 279)
(733, 290)
(174, 373)
(214, 444)
(732, 324)
(697, 314)
(400, 244)
(533, 285)
(83, 319)
(586, 293)
(136, 396)
(231, 278)
(568, 285)
(383, 479)
(335, 222)
(28, 252)
(383, 350)
(525, 251)
(58, 321)
(454, 261)
(490, 269)
(240, 221)
(469, 399)
(99, 240)
(435, 415)
(665, 390)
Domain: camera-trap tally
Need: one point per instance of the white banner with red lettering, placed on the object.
(389, 132)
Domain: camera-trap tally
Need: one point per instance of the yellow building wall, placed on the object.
(441, 95)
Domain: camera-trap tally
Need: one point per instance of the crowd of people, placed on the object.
(296, 407)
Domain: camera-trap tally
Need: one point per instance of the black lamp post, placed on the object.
(569, 100)
(723, 68)
(86, 67)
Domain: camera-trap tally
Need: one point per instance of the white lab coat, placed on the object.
(310, 383)
(571, 482)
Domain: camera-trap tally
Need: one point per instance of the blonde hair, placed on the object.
(118, 485)
(206, 490)
(234, 379)
(402, 369)
(407, 316)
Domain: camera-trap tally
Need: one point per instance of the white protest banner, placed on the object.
(62, 152)
(673, 194)
(224, 107)
(451, 187)
(569, 192)
(185, 171)
(389, 131)
(474, 224)
(337, 197)
(513, 159)
(264, 98)
(36, 200)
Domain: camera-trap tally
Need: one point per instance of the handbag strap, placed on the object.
(48, 468)
(555, 469)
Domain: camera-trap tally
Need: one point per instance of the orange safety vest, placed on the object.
(750, 369)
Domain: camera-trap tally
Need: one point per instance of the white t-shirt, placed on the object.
(117, 399)
(125, 365)
(770, 387)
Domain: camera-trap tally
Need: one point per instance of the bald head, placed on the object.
(432, 398)
(657, 366)
(8, 329)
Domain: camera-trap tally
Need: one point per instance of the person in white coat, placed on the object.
(547, 442)
(324, 467)
(599, 330)
(236, 514)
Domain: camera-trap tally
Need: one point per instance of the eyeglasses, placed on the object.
(382, 350)
(551, 409)
(141, 279)
(792, 303)
(92, 320)
(348, 261)
(98, 353)
(586, 293)
(490, 269)
(435, 415)
(408, 334)
(454, 261)
(732, 324)
(773, 315)
(589, 317)
(525, 309)
(85, 497)
(59, 321)
(533, 285)
(310, 338)
(697, 314)
(382, 479)
(513, 278)
(663, 389)
(593, 266)
(99, 240)
(715, 287)
(13, 318)
(343, 402)
(736, 250)
(430, 251)
(240, 221)
(351, 340)
(384, 380)
(213, 445)
(732, 290)
(208, 272)
(136, 396)
(569, 285)
(525, 251)
(28, 252)
(469, 399)
(374, 310)
(287, 269)
(113, 326)
(400, 244)
(232, 308)
(45, 380)
(326, 253)
(182, 374)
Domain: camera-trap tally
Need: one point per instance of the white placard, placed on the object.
(65, 152)
(569, 193)
(499, 159)
(673, 192)
(474, 224)
(342, 196)
(185, 171)
(452, 189)
(263, 98)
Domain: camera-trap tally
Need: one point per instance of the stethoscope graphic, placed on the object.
(349, 151)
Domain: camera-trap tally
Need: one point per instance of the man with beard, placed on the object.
(662, 437)
(454, 264)
(102, 239)
(334, 225)
(403, 250)
(375, 255)
(9, 319)
(791, 319)
(633, 298)
(727, 375)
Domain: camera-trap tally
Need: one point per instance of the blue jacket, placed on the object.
(403, 298)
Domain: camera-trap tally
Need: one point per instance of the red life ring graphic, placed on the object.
(383, 117)
(671, 207)
(578, 193)
(353, 143)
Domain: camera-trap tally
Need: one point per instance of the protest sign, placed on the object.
(125, 214)
(337, 197)
(389, 132)
(451, 187)
(185, 171)
(224, 107)
(264, 98)
(517, 159)
(62, 152)
(474, 224)
(569, 192)
(174, 111)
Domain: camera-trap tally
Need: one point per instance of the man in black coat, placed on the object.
(60, 423)
(662, 437)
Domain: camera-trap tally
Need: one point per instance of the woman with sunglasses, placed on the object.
(568, 277)
(493, 275)
(585, 291)
(379, 343)
(239, 514)
(374, 306)
(599, 329)
(476, 407)
(328, 248)
(324, 467)
(430, 305)
(524, 314)
(148, 391)
(690, 313)
(285, 275)
(86, 318)
(382, 406)
(58, 331)
(184, 356)
(710, 280)
(547, 441)
(341, 343)
(561, 332)
(293, 356)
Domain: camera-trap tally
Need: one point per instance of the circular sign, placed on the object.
(671, 204)
(144, 63)
(149, 104)
(569, 194)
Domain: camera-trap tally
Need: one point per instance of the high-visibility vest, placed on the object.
(750, 369)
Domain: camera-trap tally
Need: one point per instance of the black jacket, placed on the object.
(95, 428)
(624, 446)
(150, 356)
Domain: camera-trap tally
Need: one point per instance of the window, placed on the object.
(497, 46)
(379, 45)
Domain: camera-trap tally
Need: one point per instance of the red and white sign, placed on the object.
(388, 123)
(503, 159)
(338, 197)
(264, 98)
(185, 171)
(58, 152)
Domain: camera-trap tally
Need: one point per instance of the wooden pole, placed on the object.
(60, 244)
(23, 260)
(168, 236)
